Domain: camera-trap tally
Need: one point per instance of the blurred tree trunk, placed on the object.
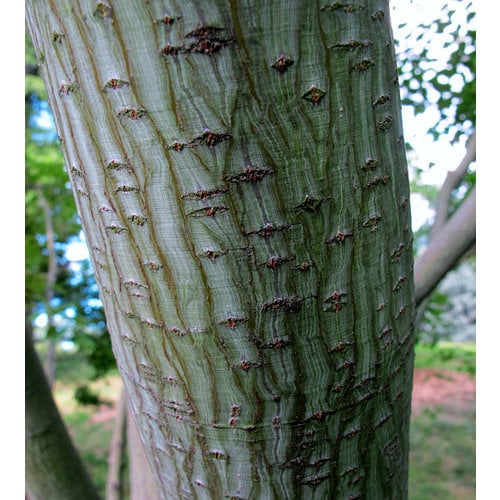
(53, 467)
(114, 481)
(142, 482)
(240, 173)
(50, 282)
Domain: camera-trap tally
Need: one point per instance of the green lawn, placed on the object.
(442, 457)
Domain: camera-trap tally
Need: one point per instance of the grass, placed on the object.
(442, 456)
(447, 356)
(442, 440)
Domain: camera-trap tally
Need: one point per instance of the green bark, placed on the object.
(240, 174)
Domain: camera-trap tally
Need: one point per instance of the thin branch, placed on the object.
(446, 249)
(451, 182)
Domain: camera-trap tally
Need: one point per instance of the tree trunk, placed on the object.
(240, 173)
(114, 483)
(53, 468)
(50, 282)
(142, 482)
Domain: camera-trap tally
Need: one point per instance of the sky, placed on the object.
(443, 155)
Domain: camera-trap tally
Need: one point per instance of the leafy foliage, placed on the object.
(74, 305)
(426, 80)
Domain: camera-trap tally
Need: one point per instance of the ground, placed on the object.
(446, 389)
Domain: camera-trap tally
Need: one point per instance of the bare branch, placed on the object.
(453, 179)
(446, 248)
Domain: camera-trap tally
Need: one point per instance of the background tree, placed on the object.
(62, 290)
(214, 225)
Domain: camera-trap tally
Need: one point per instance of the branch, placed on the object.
(452, 181)
(446, 248)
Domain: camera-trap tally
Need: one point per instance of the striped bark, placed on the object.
(240, 173)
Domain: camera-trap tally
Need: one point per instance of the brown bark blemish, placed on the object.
(167, 20)
(396, 253)
(276, 422)
(232, 322)
(127, 189)
(274, 261)
(339, 238)
(281, 64)
(177, 146)
(234, 415)
(211, 254)
(386, 123)
(401, 311)
(208, 40)
(207, 211)
(118, 165)
(210, 139)
(115, 83)
(369, 164)
(182, 332)
(348, 8)
(337, 300)
(250, 174)
(150, 323)
(76, 171)
(378, 15)
(102, 10)
(114, 228)
(277, 343)
(385, 331)
(56, 37)
(314, 95)
(207, 138)
(153, 266)
(351, 44)
(287, 304)
(399, 283)
(204, 193)
(341, 347)
(170, 50)
(133, 283)
(68, 88)
(380, 100)
(377, 181)
(140, 220)
(218, 455)
(132, 113)
(245, 365)
(372, 222)
(362, 65)
(267, 230)
(303, 266)
(309, 204)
